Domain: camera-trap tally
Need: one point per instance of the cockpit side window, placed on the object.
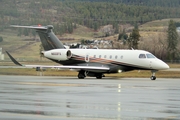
(142, 56)
(150, 56)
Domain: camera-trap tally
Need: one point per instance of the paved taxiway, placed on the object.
(66, 98)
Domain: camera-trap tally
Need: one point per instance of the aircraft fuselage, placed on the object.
(117, 60)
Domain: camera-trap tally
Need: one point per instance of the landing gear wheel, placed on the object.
(99, 76)
(153, 77)
(81, 75)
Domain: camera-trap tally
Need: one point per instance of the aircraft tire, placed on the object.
(99, 76)
(153, 77)
(81, 75)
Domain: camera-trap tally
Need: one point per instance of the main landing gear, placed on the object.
(99, 76)
(82, 74)
(153, 77)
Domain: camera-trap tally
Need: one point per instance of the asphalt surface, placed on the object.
(68, 98)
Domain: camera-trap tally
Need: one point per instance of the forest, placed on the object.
(63, 14)
(66, 15)
(162, 3)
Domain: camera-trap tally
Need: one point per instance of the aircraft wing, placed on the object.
(59, 66)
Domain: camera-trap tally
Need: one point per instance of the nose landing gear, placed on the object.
(153, 77)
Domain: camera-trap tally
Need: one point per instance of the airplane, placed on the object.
(92, 62)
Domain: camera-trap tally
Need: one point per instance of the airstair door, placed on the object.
(87, 57)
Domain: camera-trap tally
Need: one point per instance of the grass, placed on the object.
(159, 23)
(53, 72)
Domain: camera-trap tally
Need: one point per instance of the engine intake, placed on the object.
(58, 54)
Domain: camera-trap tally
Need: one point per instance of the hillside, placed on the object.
(150, 32)
(62, 13)
(161, 3)
(85, 19)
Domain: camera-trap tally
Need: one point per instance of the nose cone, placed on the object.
(159, 64)
(162, 65)
(165, 66)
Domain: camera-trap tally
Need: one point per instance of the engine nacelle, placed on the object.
(58, 54)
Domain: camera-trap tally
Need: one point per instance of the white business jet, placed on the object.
(92, 62)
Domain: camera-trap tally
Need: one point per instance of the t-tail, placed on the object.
(48, 38)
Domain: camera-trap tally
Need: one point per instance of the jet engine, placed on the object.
(58, 54)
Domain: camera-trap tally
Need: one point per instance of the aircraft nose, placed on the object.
(166, 66)
(163, 65)
(159, 65)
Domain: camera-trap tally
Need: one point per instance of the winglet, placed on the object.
(14, 61)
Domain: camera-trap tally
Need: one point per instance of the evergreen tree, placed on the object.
(123, 36)
(33, 33)
(1, 39)
(75, 26)
(19, 32)
(26, 33)
(172, 40)
(116, 29)
(95, 26)
(70, 27)
(134, 39)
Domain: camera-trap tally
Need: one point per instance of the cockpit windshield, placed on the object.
(146, 56)
(142, 56)
(150, 56)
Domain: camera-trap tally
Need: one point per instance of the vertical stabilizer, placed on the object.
(48, 38)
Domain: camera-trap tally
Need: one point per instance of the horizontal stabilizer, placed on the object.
(34, 27)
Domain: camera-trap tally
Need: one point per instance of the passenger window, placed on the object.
(121, 57)
(116, 57)
(99, 56)
(142, 56)
(110, 56)
(150, 56)
(104, 56)
(94, 56)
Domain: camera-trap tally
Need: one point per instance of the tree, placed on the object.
(70, 27)
(172, 40)
(1, 39)
(95, 26)
(123, 36)
(134, 39)
(19, 32)
(34, 33)
(25, 32)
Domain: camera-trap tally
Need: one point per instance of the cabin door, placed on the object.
(87, 57)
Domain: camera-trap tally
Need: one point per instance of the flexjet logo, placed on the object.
(55, 53)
